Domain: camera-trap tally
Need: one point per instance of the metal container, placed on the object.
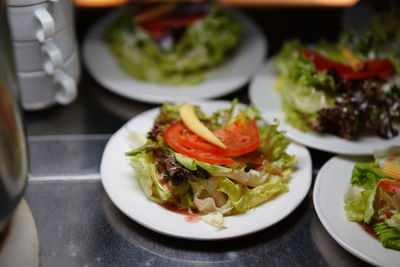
(13, 151)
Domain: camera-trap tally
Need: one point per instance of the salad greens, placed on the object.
(200, 46)
(374, 198)
(317, 96)
(212, 190)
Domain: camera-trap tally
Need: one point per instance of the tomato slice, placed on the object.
(392, 187)
(375, 67)
(172, 21)
(176, 130)
(239, 137)
(156, 28)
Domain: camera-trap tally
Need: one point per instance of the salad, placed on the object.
(212, 166)
(347, 88)
(373, 200)
(173, 43)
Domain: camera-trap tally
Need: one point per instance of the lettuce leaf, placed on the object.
(389, 236)
(359, 204)
(394, 221)
(300, 71)
(193, 164)
(215, 219)
(146, 175)
(366, 175)
(273, 142)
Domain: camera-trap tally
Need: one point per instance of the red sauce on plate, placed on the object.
(367, 228)
(189, 216)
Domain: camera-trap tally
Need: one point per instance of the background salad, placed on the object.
(323, 90)
(177, 168)
(373, 200)
(175, 44)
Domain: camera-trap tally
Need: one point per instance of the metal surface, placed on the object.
(13, 157)
(79, 226)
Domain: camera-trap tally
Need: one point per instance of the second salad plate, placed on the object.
(233, 73)
(264, 96)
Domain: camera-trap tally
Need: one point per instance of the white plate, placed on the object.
(121, 186)
(332, 182)
(263, 95)
(226, 78)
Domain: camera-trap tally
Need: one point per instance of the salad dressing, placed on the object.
(190, 216)
(368, 228)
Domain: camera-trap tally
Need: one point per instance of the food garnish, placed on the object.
(189, 118)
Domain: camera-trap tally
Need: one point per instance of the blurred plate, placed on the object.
(119, 181)
(263, 95)
(224, 79)
(331, 184)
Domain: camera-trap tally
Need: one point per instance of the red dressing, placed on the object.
(189, 215)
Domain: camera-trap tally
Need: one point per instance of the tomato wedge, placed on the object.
(176, 130)
(375, 67)
(392, 187)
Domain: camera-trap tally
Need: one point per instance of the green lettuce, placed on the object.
(204, 45)
(389, 236)
(300, 71)
(366, 175)
(193, 165)
(147, 177)
(303, 90)
(273, 142)
(394, 221)
(359, 204)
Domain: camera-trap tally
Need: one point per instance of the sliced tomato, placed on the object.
(154, 32)
(172, 21)
(156, 28)
(176, 130)
(240, 137)
(392, 187)
(376, 67)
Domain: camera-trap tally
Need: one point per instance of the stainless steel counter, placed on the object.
(79, 226)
